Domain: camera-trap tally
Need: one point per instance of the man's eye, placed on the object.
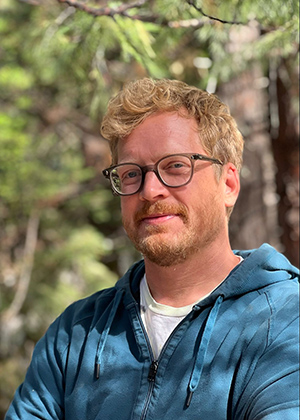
(175, 166)
(129, 175)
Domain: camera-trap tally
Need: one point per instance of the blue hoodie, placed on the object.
(234, 356)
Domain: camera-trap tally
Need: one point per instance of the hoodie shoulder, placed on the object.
(267, 257)
(267, 262)
(260, 269)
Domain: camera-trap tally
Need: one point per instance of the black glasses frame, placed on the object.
(154, 168)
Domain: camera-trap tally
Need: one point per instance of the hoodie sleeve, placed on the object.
(273, 390)
(41, 394)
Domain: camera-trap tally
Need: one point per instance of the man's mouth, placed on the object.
(161, 213)
(158, 218)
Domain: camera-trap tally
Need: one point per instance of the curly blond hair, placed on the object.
(138, 100)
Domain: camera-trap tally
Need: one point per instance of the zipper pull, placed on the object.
(97, 370)
(152, 371)
(189, 398)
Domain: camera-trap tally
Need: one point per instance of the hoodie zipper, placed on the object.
(155, 363)
(153, 367)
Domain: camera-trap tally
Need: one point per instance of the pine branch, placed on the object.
(121, 10)
(104, 11)
(200, 10)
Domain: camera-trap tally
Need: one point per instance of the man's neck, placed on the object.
(182, 284)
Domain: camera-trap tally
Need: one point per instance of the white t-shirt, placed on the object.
(160, 320)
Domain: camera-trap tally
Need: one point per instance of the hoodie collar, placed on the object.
(261, 267)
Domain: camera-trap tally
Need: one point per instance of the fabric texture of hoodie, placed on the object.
(234, 356)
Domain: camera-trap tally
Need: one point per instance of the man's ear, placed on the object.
(231, 180)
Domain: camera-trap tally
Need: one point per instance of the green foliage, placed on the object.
(15, 78)
(71, 270)
(269, 29)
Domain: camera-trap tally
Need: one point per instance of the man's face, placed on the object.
(169, 225)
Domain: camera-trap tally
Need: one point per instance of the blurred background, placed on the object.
(60, 62)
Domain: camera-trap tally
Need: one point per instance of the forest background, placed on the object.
(60, 62)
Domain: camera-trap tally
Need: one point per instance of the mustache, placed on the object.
(161, 208)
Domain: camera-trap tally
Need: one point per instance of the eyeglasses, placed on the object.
(173, 171)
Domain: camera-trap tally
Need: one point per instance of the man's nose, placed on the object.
(153, 189)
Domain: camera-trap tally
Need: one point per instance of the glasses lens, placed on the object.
(126, 179)
(175, 170)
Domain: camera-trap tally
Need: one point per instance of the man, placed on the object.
(194, 330)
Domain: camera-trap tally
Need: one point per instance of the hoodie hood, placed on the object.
(260, 267)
